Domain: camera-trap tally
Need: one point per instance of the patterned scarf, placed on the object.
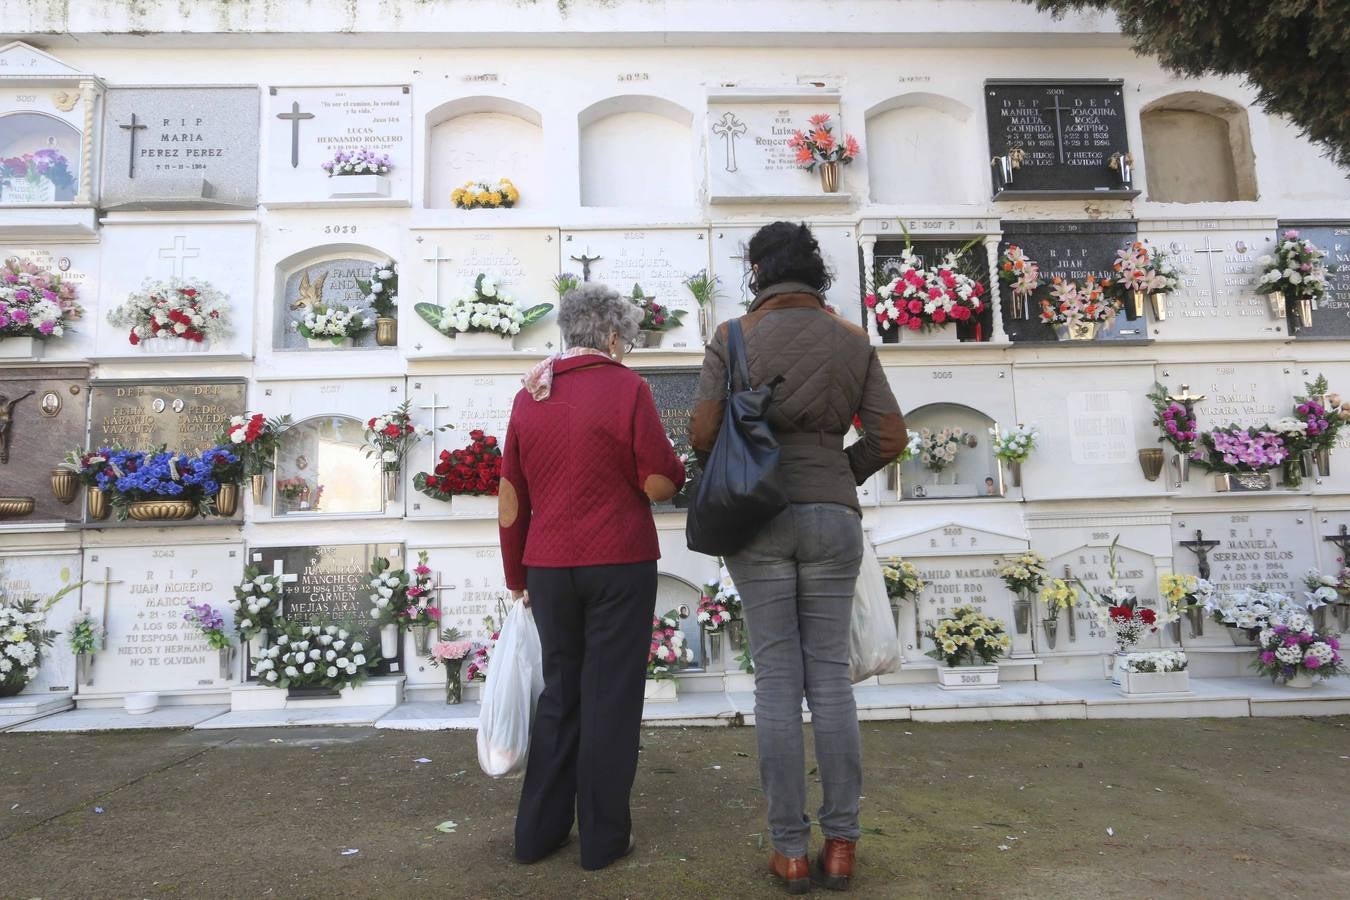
(539, 380)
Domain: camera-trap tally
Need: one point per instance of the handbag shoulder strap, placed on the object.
(736, 364)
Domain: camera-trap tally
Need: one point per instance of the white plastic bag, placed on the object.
(514, 682)
(874, 644)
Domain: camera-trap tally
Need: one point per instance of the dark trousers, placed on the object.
(595, 625)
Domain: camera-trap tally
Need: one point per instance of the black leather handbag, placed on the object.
(739, 490)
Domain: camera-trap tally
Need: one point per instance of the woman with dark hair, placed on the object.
(796, 575)
(585, 457)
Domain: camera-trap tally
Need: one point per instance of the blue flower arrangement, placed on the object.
(130, 476)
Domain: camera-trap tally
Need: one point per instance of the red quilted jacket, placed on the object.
(578, 469)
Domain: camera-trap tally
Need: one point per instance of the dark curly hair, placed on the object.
(787, 251)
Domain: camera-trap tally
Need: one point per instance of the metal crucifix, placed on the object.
(294, 117)
(1200, 547)
(131, 130)
(585, 263)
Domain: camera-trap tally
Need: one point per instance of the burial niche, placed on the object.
(1197, 148)
(636, 151)
(482, 140)
(39, 159)
(951, 454)
(322, 468)
(674, 593)
(327, 275)
(919, 144)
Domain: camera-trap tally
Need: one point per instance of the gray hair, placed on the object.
(590, 312)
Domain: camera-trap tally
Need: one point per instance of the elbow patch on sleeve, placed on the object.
(508, 504)
(658, 488)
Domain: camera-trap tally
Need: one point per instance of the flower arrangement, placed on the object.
(421, 610)
(1141, 267)
(1321, 413)
(1058, 595)
(256, 603)
(1156, 662)
(254, 438)
(1321, 589)
(818, 144)
(390, 437)
(450, 650)
(1016, 445)
(938, 449)
(720, 604)
(363, 161)
(488, 310)
(1117, 609)
(48, 163)
(704, 287)
(903, 582)
(564, 282)
(476, 470)
(35, 302)
(669, 651)
(174, 310)
(481, 655)
(969, 637)
(336, 323)
(1129, 625)
(1184, 592)
(224, 465)
(381, 289)
(130, 476)
(480, 195)
(85, 634)
(22, 638)
(1179, 428)
(655, 316)
(89, 464)
(1026, 572)
(1292, 648)
(1249, 609)
(1074, 304)
(314, 656)
(388, 592)
(210, 623)
(926, 298)
(293, 489)
(1019, 272)
(1235, 449)
(1295, 269)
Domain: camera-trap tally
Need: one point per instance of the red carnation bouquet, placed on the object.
(254, 438)
(475, 470)
(391, 436)
(1130, 624)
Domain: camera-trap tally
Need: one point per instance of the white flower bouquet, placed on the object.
(193, 313)
(22, 638)
(256, 604)
(938, 449)
(336, 323)
(1015, 445)
(315, 656)
(669, 651)
(1156, 661)
(1295, 269)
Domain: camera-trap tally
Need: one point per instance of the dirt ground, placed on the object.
(1136, 809)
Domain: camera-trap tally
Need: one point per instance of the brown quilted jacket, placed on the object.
(830, 374)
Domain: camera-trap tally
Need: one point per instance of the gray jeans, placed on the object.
(796, 582)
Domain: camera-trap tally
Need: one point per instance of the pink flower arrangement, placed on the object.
(1292, 648)
(1073, 303)
(35, 302)
(919, 297)
(1234, 449)
(443, 651)
(421, 608)
(819, 145)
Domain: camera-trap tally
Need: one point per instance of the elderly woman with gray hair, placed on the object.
(585, 457)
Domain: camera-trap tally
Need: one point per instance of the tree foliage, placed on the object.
(1295, 53)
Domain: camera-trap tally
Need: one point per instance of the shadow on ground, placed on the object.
(1138, 809)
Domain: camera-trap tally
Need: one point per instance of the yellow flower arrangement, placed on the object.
(1057, 595)
(969, 636)
(902, 579)
(479, 195)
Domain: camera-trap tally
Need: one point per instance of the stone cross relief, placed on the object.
(7, 405)
(295, 116)
(728, 129)
(131, 130)
(179, 253)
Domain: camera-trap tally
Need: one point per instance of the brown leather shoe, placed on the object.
(796, 871)
(835, 863)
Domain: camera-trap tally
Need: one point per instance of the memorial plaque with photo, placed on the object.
(78, 266)
(42, 418)
(1218, 268)
(327, 584)
(38, 576)
(657, 260)
(140, 595)
(331, 282)
(181, 147)
(1068, 134)
(1071, 251)
(973, 261)
(748, 153)
(306, 126)
(1260, 547)
(184, 415)
(1331, 318)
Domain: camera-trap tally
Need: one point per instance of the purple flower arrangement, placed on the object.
(360, 162)
(47, 163)
(211, 624)
(1179, 428)
(1293, 648)
(35, 302)
(1234, 449)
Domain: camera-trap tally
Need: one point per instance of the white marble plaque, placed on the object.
(1136, 570)
(467, 402)
(77, 264)
(838, 246)
(522, 261)
(1100, 430)
(304, 126)
(140, 595)
(474, 587)
(1219, 271)
(220, 254)
(1270, 547)
(748, 152)
(38, 576)
(658, 259)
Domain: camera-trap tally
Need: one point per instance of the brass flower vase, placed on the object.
(227, 500)
(96, 504)
(161, 510)
(1136, 304)
(1279, 308)
(1151, 461)
(1158, 301)
(65, 484)
(829, 177)
(386, 331)
(258, 485)
(1305, 312)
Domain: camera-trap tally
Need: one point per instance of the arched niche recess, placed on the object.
(322, 469)
(327, 273)
(918, 149)
(636, 151)
(1197, 149)
(484, 139)
(966, 475)
(56, 146)
(675, 593)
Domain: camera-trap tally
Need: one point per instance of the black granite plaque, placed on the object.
(1067, 132)
(886, 259)
(1331, 319)
(673, 389)
(182, 415)
(331, 586)
(1072, 251)
(42, 414)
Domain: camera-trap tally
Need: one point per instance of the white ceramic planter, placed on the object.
(141, 703)
(257, 645)
(945, 335)
(356, 187)
(482, 342)
(172, 345)
(968, 678)
(389, 641)
(665, 690)
(327, 344)
(1136, 683)
(472, 506)
(20, 348)
(1302, 680)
